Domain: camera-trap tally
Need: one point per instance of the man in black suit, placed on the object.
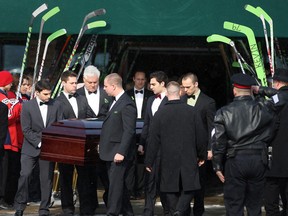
(3, 134)
(99, 102)
(139, 94)
(36, 114)
(176, 129)
(117, 144)
(205, 106)
(74, 106)
(158, 81)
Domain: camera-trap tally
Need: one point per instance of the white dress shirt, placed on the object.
(156, 103)
(43, 110)
(139, 102)
(73, 103)
(116, 98)
(93, 100)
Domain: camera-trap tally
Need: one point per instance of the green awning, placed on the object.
(146, 17)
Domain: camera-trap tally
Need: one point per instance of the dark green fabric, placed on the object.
(146, 17)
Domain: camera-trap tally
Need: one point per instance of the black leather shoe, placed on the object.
(18, 213)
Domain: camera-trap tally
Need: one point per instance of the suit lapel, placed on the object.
(38, 112)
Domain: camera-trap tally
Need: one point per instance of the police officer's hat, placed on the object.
(281, 75)
(243, 81)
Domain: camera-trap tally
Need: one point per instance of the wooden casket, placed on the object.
(74, 141)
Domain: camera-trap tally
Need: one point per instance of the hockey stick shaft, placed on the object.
(35, 13)
(52, 37)
(48, 15)
(95, 24)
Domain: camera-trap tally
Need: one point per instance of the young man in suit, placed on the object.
(116, 145)
(205, 106)
(99, 102)
(74, 106)
(175, 129)
(3, 134)
(158, 81)
(36, 115)
(139, 94)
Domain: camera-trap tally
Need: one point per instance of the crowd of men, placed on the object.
(182, 130)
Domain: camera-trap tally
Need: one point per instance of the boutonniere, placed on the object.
(132, 98)
(106, 101)
(115, 112)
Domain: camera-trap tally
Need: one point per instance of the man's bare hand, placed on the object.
(140, 150)
(209, 155)
(149, 169)
(220, 176)
(201, 162)
(118, 158)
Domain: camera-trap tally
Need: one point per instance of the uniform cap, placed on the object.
(243, 81)
(281, 75)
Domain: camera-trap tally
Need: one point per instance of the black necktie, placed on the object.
(43, 103)
(191, 96)
(72, 95)
(95, 92)
(138, 91)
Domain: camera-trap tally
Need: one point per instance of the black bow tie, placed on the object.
(43, 103)
(191, 96)
(72, 95)
(138, 91)
(95, 92)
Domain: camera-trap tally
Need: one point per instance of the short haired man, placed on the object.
(158, 82)
(74, 106)
(206, 108)
(176, 130)
(243, 130)
(99, 102)
(36, 115)
(116, 145)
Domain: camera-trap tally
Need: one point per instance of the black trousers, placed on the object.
(84, 187)
(46, 177)
(273, 188)
(152, 189)
(199, 195)
(179, 202)
(118, 197)
(244, 184)
(3, 171)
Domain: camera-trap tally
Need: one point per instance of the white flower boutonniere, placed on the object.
(132, 98)
(115, 112)
(106, 101)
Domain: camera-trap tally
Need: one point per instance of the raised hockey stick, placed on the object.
(258, 64)
(48, 41)
(48, 15)
(91, 46)
(270, 21)
(35, 13)
(95, 24)
(259, 13)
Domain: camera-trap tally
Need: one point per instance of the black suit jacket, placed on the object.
(84, 110)
(118, 130)
(146, 95)
(32, 124)
(206, 106)
(3, 123)
(148, 119)
(104, 102)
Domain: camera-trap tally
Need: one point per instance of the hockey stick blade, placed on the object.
(258, 64)
(39, 10)
(98, 12)
(51, 13)
(218, 38)
(52, 37)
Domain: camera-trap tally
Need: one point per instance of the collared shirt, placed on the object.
(139, 102)
(73, 103)
(156, 103)
(116, 98)
(93, 100)
(43, 109)
(191, 101)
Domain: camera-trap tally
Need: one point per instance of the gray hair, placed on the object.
(91, 70)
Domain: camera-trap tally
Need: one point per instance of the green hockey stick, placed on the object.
(258, 64)
(52, 37)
